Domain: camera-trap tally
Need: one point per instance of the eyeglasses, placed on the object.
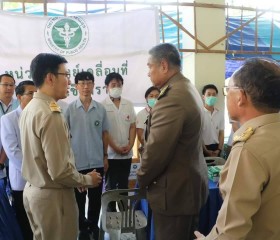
(6, 85)
(68, 75)
(84, 83)
(226, 88)
(29, 94)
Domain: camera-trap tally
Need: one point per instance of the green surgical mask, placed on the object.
(211, 101)
(152, 102)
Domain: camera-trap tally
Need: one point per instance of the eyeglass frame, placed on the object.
(86, 83)
(67, 75)
(6, 85)
(31, 94)
(226, 88)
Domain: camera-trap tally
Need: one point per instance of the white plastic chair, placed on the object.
(128, 219)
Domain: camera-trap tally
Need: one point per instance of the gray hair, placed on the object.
(260, 79)
(168, 52)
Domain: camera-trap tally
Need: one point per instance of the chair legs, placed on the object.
(141, 234)
(101, 232)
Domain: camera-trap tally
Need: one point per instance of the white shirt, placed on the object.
(10, 137)
(4, 110)
(120, 120)
(141, 118)
(213, 123)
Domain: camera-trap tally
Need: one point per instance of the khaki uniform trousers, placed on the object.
(52, 213)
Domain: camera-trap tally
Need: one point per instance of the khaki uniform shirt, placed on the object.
(250, 183)
(48, 160)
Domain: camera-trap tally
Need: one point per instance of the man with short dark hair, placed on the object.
(88, 123)
(10, 137)
(48, 161)
(173, 168)
(213, 130)
(249, 181)
(7, 89)
(122, 133)
(7, 104)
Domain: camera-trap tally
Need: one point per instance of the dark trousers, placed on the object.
(117, 176)
(94, 205)
(21, 215)
(212, 147)
(175, 227)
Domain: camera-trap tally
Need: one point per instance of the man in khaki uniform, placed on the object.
(249, 182)
(173, 168)
(48, 162)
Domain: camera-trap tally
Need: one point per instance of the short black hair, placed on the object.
(43, 64)
(260, 79)
(6, 75)
(20, 89)
(209, 86)
(84, 76)
(149, 90)
(112, 76)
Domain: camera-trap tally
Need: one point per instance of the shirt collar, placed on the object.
(92, 104)
(43, 96)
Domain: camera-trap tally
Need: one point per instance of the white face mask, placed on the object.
(115, 92)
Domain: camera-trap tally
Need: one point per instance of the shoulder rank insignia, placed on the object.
(54, 107)
(244, 136)
(163, 92)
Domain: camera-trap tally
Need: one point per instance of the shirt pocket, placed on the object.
(126, 117)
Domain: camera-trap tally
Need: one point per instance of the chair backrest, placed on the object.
(213, 161)
(127, 200)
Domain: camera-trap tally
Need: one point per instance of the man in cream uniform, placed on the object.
(48, 161)
(249, 182)
(10, 137)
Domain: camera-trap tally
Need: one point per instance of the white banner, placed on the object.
(115, 42)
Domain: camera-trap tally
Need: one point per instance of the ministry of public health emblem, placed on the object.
(66, 35)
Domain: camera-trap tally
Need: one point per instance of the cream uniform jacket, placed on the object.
(48, 160)
(250, 183)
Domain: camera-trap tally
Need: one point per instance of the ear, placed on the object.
(19, 97)
(242, 98)
(50, 78)
(164, 66)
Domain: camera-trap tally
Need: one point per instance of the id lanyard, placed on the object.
(4, 112)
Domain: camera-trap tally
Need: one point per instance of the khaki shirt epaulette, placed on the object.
(163, 92)
(244, 136)
(54, 107)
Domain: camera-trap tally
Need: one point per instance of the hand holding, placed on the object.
(126, 150)
(96, 178)
(82, 189)
(198, 235)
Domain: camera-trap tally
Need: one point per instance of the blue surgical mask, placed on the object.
(152, 102)
(211, 101)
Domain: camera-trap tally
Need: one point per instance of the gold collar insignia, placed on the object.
(54, 107)
(163, 92)
(244, 136)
